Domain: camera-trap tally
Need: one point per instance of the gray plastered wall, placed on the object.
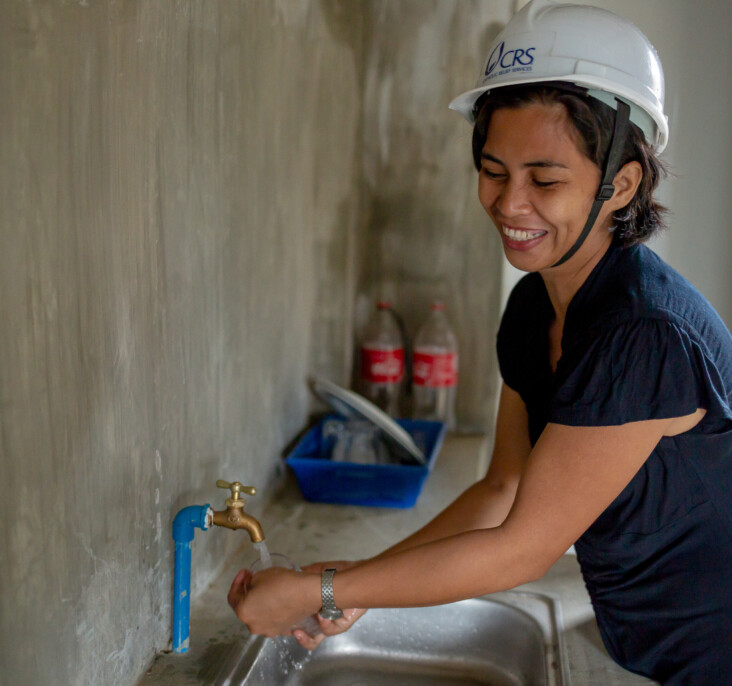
(174, 177)
(188, 195)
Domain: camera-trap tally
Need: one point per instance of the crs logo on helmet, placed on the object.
(516, 59)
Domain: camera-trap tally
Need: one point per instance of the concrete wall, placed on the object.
(178, 194)
(423, 234)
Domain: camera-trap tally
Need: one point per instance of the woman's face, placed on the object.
(538, 187)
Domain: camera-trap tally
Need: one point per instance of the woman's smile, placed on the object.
(518, 238)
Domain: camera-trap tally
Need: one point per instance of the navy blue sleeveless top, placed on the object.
(640, 342)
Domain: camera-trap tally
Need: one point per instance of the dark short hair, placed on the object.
(593, 122)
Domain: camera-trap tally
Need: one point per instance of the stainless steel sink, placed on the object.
(506, 639)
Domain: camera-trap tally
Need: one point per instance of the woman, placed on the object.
(614, 429)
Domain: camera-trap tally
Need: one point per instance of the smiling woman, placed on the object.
(614, 427)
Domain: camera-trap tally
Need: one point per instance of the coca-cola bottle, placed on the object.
(382, 360)
(435, 368)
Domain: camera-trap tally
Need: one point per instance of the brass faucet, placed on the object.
(234, 517)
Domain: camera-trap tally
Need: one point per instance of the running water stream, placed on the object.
(264, 555)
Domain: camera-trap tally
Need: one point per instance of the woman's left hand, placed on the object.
(274, 600)
(329, 627)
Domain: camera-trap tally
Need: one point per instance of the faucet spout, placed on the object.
(236, 518)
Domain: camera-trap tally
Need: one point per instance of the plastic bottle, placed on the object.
(435, 368)
(382, 360)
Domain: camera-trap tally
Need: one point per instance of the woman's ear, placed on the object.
(626, 183)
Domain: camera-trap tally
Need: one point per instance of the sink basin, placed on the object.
(505, 639)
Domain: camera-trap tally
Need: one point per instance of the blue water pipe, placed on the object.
(184, 526)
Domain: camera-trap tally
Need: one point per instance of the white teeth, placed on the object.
(519, 235)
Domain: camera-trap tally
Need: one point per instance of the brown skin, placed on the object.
(510, 527)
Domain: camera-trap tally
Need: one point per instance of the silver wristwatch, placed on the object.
(329, 609)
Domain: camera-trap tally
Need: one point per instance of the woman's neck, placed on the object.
(564, 281)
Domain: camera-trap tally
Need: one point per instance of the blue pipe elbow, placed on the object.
(184, 526)
(186, 521)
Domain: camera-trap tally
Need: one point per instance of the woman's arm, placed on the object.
(570, 477)
(486, 503)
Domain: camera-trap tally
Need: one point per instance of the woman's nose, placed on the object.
(513, 198)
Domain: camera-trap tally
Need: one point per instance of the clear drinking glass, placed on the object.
(356, 441)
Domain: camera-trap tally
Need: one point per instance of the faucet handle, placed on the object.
(236, 488)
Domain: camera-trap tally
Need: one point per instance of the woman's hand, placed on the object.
(274, 600)
(327, 626)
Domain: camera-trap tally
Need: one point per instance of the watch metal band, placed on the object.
(329, 609)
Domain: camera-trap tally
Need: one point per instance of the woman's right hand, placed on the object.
(329, 627)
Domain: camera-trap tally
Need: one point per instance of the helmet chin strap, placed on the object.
(612, 164)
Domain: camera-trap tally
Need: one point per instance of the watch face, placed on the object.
(330, 614)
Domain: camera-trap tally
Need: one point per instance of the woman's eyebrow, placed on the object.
(544, 164)
(487, 156)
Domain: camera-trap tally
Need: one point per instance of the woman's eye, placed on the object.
(491, 175)
(544, 184)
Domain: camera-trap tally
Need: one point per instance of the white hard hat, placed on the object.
(583, 45)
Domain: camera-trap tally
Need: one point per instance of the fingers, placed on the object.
(329, 628)
(308, 642)
(262, 615)
(238, 588)
(239, 578)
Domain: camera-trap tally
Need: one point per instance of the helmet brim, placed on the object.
(465, 102)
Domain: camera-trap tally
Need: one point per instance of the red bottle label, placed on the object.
(435, 370)
(380, 365)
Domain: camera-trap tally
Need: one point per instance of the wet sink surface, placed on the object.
(507, 639)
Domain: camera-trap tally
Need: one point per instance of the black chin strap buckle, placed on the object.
(607, 190)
